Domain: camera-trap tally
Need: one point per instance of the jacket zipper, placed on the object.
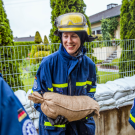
(69, 83)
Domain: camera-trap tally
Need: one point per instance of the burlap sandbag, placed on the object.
(72, 107)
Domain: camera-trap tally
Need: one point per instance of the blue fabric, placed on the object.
(57, 68)
(132, 115)
(9, 106)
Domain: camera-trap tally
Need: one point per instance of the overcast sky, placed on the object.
(28, 16)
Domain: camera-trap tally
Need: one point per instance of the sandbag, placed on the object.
(21, 95)
(72, 107)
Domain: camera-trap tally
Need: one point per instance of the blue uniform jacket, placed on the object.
(64, 74)
(13, 118)
(132, 115)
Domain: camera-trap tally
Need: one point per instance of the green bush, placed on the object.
(46, 40)
(34, 68)
(33, 51)
(21, 50)
(38, 38)
(54, 47)
(24, 43)
(37, 58)
(43, 47)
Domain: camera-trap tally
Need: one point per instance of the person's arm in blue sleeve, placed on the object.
(132, 115)
(39, 85)
(13, 118)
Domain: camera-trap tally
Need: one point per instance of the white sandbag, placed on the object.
(125, 99)
(125, 104)
(119, 95)
(34, 115)
(21, 95)
(104, 98)
(121, 100)
(29, 104)
(30, 110)
(131, 97)
(106, 102)
(102, 90)
(36, 123)
(27, 94)
(113, 86)
(120, 82)
(130, 81)
(104, 108)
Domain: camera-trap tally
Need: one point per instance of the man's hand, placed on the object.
(58, 121)
(90, 115)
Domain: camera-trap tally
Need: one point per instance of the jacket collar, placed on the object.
(68, 57)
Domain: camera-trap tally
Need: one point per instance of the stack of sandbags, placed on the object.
(104, 96)
(125, 91)
(29, 106)
(115, 94)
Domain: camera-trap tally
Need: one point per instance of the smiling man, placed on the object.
(70, 72)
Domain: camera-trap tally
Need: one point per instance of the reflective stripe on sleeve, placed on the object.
(89, 82)
(31, 91)
(49, 124)
(132, 118)
(92, 90)
(60, 85)
(50, 89)
(83, 83)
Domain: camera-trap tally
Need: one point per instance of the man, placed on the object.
(13, 118)
(67, 71)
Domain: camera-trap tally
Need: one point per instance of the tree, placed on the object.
(60, 7)
(112, 26)
(38, 38)
(8, 64)
(104, 28)
(46, 40)
(127, 23)
(124, 18)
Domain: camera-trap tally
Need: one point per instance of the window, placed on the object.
(93, 32)
(99, 32)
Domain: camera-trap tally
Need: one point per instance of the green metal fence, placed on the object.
(19, 64)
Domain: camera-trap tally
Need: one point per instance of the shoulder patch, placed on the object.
(21, 114)
(35, 84)
(28, 128)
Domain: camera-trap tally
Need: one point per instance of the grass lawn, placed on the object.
(107, 76)
(28, 83)
(104, 77)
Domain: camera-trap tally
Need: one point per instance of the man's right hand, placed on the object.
(59, 120)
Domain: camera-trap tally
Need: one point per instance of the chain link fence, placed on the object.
(114, 59)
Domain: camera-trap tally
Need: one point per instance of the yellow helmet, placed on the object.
(72, 22)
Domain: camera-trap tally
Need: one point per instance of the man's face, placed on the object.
(71, 42)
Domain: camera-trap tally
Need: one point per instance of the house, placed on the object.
(113, 10)
(24, 39)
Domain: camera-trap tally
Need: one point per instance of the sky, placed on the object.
(28, 16)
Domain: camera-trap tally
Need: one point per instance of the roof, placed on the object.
(109, 13)
(30, 38)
